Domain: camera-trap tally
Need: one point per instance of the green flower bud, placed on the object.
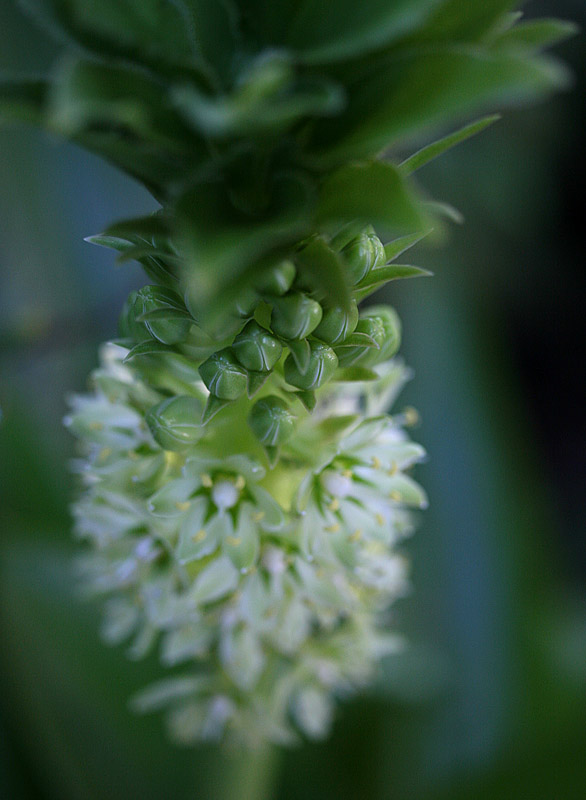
(371, 327)
(174, 423)
(337, 324)
(278, 280)
(170, 329)
(381, 324)
(246, 303)
(223, 375)
(323, 362)
(362, 254)
(390, 341)
(256, 349)
(272, 421)
(295, 316)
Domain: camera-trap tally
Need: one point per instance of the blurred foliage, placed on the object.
(489, 700)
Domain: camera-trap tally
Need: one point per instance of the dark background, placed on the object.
(490, 699)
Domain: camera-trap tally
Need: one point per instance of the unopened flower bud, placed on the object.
(256, 349)
(223, 375)
(362, 254)
(337, 324)
(323, 362)
(390, 340)
(170, 329)
(295, 316)
(272, 421)
(174, 423)
(278, 280)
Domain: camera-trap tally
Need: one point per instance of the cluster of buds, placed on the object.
(267, 581)
(282, 329)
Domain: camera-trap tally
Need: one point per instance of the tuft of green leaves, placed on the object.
(257, 125)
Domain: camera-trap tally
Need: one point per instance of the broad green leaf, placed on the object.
(157, 34)
(373, 192)
(416, 91)
(22, 99)
(465, 20)
(87, 94)
(335, 30)
(438, 148)
(536, 34)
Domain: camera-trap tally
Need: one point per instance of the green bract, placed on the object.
(243, 492)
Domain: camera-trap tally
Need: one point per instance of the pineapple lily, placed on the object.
(244, 493)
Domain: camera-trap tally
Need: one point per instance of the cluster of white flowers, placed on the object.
(265, 603)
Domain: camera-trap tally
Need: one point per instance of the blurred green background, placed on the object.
(490, 699)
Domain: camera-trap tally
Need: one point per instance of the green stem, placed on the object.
(250, 775)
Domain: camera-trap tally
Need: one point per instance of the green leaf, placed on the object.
(536, 34)
(416, 91)
(148, 348)
(465, 21)
(373, 192)
(157, 34)
(438, 148)
(22, 99)
(87, 94)
(445, 210)
(378, 277)
(139, 227)
(335, 30)
(112, 242)
(398, 246)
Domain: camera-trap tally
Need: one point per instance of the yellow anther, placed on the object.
(96, 426)
(258, 515)
(132, 455)
(320, 573)
(396, 496)
(380, 519)
(240, 483)
(334, 505)
(356, 536)
(234, 541)
(182, 506)
(206, 480)
(394, 469)
(332, 528)
(376, 462)
(411, 416)
(347, 473)
(105, 453)
(199, 536)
